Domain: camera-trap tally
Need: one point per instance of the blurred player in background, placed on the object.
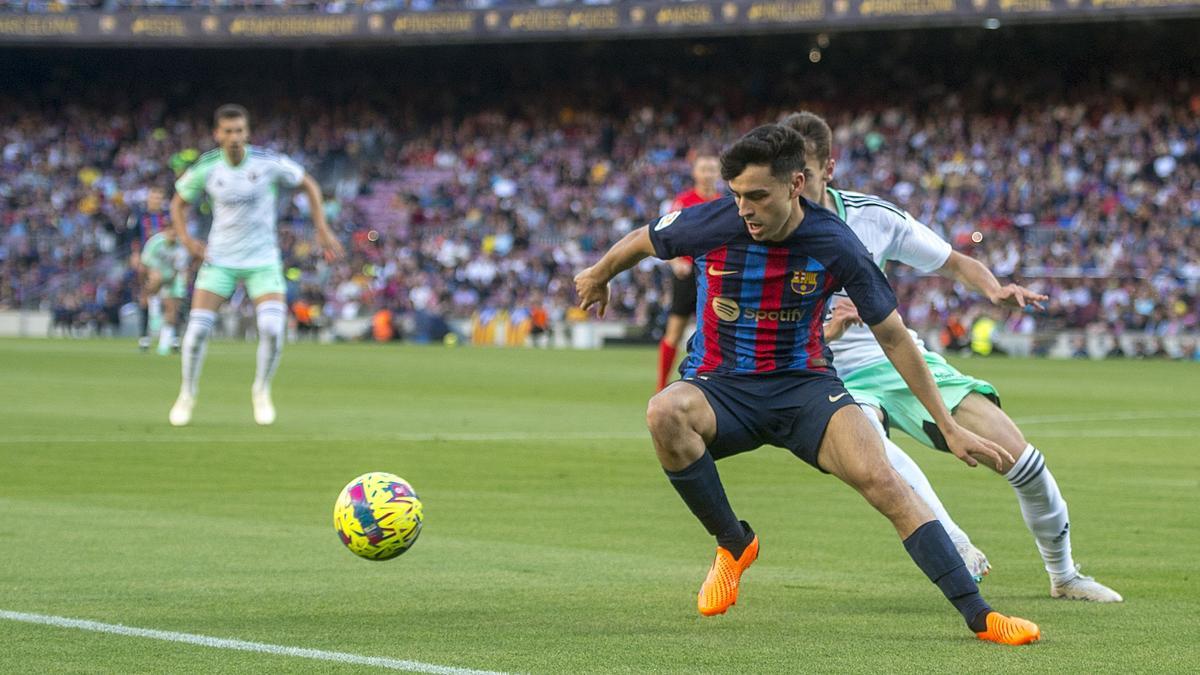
(144, 224)
(890, 233)
(241, 181)
(165, 263)
(705, 172)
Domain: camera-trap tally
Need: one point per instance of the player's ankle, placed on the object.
(978, 624)
(737, 542)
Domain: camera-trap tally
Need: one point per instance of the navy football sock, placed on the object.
(700, 487)
(932, 550)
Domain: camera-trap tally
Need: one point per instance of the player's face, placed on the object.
(154, 200)
(231, 133)
(818, 173)
(705, 172)
(767, 203)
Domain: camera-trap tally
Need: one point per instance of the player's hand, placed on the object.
(1015, 295)
(970, 447)
(679, 268)
(844, 315)
(592, 291)
(196, 248)
(330, 245)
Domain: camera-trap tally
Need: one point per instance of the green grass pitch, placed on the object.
(553, 543)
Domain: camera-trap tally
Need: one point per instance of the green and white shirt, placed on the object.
(243, 201)
(164, 255)
(889, 233)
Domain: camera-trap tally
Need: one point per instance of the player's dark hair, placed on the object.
(815, 130)
(230, 111)
(772, 145)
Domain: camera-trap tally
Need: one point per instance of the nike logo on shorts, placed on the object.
(835, 399)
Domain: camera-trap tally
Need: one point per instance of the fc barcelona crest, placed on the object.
(804, 282)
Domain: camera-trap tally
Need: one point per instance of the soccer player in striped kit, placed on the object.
(890, 233)
(758, 371)
(242, 182)
(145, 224)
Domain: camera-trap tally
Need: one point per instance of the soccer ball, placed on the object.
(377, 516)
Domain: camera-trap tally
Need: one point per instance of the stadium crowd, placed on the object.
(315, 6)
(1092, 199)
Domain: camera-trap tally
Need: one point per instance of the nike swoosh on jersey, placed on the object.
(720, 273)
(835, 399)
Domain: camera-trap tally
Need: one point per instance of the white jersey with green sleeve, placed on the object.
(889, 233)
(163, 255)
(243, 201)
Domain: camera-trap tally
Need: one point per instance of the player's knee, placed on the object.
(982, 416)
(271, 316)
(270, 327)
(664, 413)
(199, 326)
(671, 409)
(885, 489)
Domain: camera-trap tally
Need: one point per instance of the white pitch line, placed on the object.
(1115, 433)
(1106, 417)
(241, 645)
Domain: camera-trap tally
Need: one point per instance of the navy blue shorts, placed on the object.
(788, 410)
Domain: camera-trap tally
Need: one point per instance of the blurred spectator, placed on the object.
(461, 200)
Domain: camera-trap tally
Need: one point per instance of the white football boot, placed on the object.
(264, 409)
(181, 412)
(1082, 587)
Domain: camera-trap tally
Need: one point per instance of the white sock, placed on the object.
(166, 335)
(195, 346)
(1044, 510)
(912, 474)
(153, 313)
(272, 321)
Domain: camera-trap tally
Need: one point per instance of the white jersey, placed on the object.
(243, 202)
(889, 233)
(164, 255)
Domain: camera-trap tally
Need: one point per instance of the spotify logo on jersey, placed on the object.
(726, 309)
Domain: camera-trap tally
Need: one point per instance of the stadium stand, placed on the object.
(470, 191)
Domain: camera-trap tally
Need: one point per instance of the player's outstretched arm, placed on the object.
(325, 237)
(904, 355)
(976, 276)
(179, 209)
(592, 284)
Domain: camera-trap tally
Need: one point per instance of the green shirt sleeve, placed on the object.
(191, 184)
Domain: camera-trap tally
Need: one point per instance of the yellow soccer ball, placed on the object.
(378, 516)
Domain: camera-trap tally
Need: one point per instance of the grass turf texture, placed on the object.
(558, 546)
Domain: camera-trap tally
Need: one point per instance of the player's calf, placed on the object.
(854, 454)
(852, 451)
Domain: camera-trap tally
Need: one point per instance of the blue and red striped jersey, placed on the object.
(760, 305)
(147, 224)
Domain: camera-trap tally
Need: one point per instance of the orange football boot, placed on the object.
(720, 588)
(1010, 630)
